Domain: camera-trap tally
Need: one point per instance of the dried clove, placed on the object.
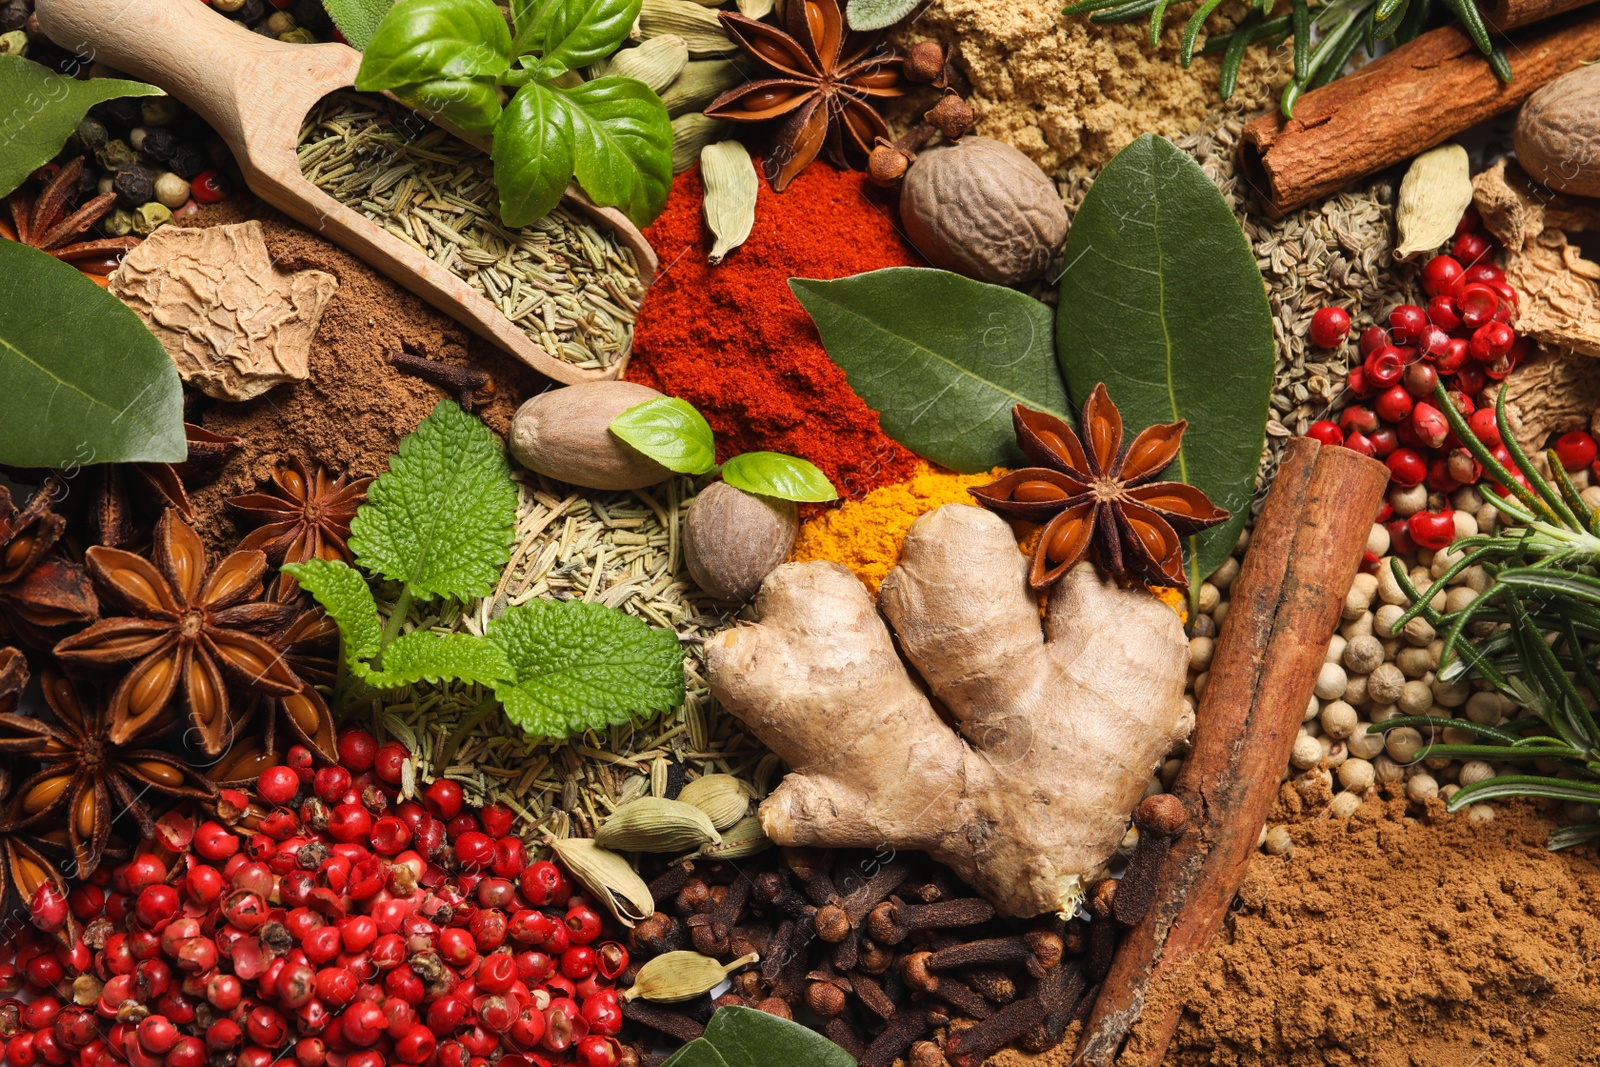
(907, 1027)
(1038, 950)
(1102, 932)
(871, 995)
(1161, 820)
(894, 920)
(670, 882)
(957, 994)
(841, 1033)
(672, 1023)
(972, 1046)
(995, 986)
(470, 386)
(710, 930)
(810, 868)
(1060, 991)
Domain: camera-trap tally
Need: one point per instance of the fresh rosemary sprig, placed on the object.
(1325, 34)
(1533, 634)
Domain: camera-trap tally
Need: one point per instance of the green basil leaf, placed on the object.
(941, 358)
(622, 145)
(775, 474)
(743, 1038)
(1162, 301)
(84, 380)
(574, 33)
(358, 20)
(697, 1053)
(670, 431)
(532, 154)
(424, 40)
(42, 109)
(877, 14)
(471, 104)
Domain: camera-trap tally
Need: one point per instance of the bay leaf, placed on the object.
(43, 109)
(697, 1053)
(941, 358)
(744, 1037)
(84, 380)
(1162, 301)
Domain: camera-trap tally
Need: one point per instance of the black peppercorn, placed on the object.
(310, 14)
(123, 113)
(188, 160)
(160, 143)
(116, 154)
(88, 184)
(250, 12)
(134, 186)
(90, 134)
(14, 15)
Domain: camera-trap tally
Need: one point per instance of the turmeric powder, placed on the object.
(865, 535)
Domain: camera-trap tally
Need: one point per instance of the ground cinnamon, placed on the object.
(1403, 102)
(1286, 601)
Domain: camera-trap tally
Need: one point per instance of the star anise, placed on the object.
(41, 587)
(309, 644)
(50, 225)
(308, 517)
(1102, 495)
(89, 777)
(190, 629)
(112, 517)
(13, 680)
(823, 85)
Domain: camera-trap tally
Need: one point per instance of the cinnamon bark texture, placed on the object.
(1404, 102)
(1504, 15)
(1286, 601)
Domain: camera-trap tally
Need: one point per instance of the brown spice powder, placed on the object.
(1388, 941)
(352, 412)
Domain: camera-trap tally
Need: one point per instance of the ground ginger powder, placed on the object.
(1070, 93)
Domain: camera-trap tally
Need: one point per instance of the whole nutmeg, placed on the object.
(981, 208)
(733, 539)
(1557, 136)
(564, 434)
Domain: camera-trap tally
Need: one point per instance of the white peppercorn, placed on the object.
(1312, 728)
(1389, 590)
(1422, 788)
(1474, 771)
(171, 190)
(1169, 772)
(1442, 562)
(1466, 499)
(1454, 735)
(1487, 518)
(1221, 612)
(1448, 790)
(1331, 680)
(1387, 770)
(1480, 813)
(1357, 775)
(1364, 745)
(1355, 691)
(1344, 805)
(1357, 627)
(1224, 575)
(1408, 501)
(1384, 619)
(1334, 753)
(1359, 598)
(1590, 497)
(1306, 752)
(1279, 842)
(1339, 720)
(1335, 652)
(1402, 743)
(1385, 683)
(1313, 709)
(1416, 698)
(1451, 694)
(1315, 783)
(1418, 632)
(1413, 662)
(1199, 685)
(1459, 598)
(1484, 708)
(1466, 524)
(1200, 651)
(1378, 540)
(1363, 655)
(1208, 598)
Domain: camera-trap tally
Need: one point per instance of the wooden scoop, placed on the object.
(255, 92)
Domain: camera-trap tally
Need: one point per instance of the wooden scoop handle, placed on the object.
(227, 74)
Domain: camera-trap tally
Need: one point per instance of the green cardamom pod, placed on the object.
(756, 9)
(1435, 191)
(608, 877)
(653, 824)
(148, 218)
(723, 798)
(691, 133)
(657, 62)
(677, 976)
(743, 838)
(699, 26)
(698, 84)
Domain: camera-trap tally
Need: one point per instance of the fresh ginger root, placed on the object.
(1060, 729)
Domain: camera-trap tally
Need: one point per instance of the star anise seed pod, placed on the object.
(824, 84)
(50, 225)
(87, 776)
(40, 586)
(13, 680)
(112, 515)
(189, 628)
(308, 517)
(1102, 495)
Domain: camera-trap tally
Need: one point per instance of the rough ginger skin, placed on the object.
(1060, 727)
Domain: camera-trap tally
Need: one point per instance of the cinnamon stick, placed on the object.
(1404, 102)
(1504, 15)
(1285, 603)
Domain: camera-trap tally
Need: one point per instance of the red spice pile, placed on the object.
(733, 340)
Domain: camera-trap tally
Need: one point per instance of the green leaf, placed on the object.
(42, 109)
(424, 656)
(468, 103)
(358, 20)
(775, 474)
(569, 34)
(532, 154)
(743, 1039)
(877, 14)
(423, 40)
(346, 597)
(670, 431)
(1162, 301)
(622, 145)
(441, 518)
(577, 666)
(941, 358)
(697, 1053)
(81, 379)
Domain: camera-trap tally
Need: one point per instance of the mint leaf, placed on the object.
(532, 154)
(577, 666)
(441, 518)
(358, 20)
(877, 14)
(670, 431)
(424, 656)
(775, 474)
(346, 597)
(622, 145)
(42, 110)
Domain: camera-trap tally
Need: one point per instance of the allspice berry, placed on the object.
(733, 539)
(951, 116)
(924, 61)
(981, 208)
(565, 434)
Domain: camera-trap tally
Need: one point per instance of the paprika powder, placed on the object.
(734, 342)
